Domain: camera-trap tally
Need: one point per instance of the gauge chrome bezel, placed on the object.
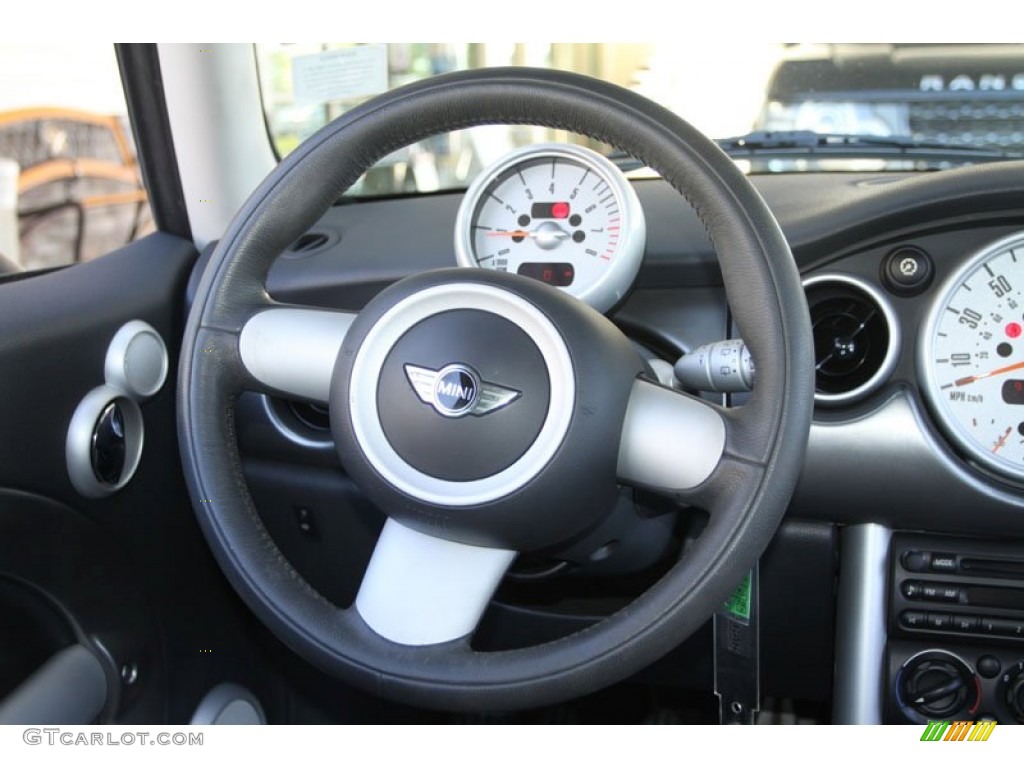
(947, 421)
(608, 290)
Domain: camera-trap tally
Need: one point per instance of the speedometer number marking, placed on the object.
(1000, 286)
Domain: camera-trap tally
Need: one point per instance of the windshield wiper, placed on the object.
(776, 144)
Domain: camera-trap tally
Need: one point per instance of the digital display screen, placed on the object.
(550, 210)
(1013, 391)
(558, 274)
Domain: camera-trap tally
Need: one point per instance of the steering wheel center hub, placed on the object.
(460, 403)
(462, 395)
(457, 394)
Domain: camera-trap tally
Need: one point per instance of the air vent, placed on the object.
(308, 244)
(855, 337)
(316, 417)
(304, 424)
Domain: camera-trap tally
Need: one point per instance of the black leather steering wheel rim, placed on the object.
(747, 495)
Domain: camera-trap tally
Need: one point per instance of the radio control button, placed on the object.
(916, 561)
(962, 623)
(913, 619)
(987, 625)
(1008, 628)
(931, 591)
(943, 562)
(950, 593)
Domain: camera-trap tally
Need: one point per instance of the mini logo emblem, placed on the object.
(456, 390)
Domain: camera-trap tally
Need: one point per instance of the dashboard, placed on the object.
(845, 230)
(905, 275)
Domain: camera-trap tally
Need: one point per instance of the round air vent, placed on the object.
(856, 339)
(104, 442)
(316, 417)
(304, 424)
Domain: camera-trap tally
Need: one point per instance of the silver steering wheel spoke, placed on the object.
(292, 350)
(671, 442)
(422, 590)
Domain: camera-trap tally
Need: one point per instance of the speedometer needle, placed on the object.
(1001, 441)
(996, 372)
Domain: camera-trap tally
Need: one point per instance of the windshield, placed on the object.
(957, 95)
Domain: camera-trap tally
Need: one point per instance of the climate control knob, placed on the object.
(1012, 683)
(936, 684)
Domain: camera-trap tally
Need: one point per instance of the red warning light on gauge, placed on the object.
(1013, 330)
(559, 210)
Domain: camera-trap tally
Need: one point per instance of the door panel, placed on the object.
(129, 573)
(54, 332)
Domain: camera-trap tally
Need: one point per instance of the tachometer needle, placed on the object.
(1002, 440)
(996, 372)
(525, 233)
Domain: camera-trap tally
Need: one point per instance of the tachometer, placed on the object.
(562, 214)
(972, 357)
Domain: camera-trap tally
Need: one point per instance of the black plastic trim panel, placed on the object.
(144, 93)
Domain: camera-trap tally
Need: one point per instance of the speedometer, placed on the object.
(972, 357)
(558, 213)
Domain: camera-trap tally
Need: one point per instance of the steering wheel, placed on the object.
(579, 416)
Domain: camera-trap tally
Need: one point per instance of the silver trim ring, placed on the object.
(895, 340)
(618, 278)
(285, 430)
(78, 445)
(377, 346)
